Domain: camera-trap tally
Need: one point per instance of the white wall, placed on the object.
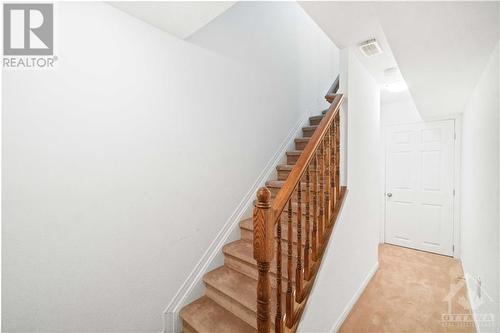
(282, 39)
(480, 189)
(352, 254)
(121, 166)
(401, 111)
(178, 18)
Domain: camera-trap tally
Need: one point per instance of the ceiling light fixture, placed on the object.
(395, 87)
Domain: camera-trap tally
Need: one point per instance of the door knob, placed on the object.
(389, 194)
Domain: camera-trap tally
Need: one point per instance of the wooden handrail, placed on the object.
(300, 166)
(319, 163)
(330, 95)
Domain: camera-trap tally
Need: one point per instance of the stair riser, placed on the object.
(232, 306)
(248, 235)
(241, 311)
(292, 159)
(283, 174)
(275, 190)
(315, 121)
(186, 328)
(284, 216)
(307, 133)
(303, 213)
(251, 270)
(247, 315)
(300, 145)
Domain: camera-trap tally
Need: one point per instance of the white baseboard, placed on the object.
(171, 321)
(474, 315)
(354, 299)
(469, 296)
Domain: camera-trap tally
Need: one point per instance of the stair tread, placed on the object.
(243, 250)
(294, 152)
(302, 139)
(248, 225)
(275, 183)
(286, 167)
(289, 167)
(313, 127)
(233, 284)
(280, 183)
(205, 315)
(238, 287)
(315, 120)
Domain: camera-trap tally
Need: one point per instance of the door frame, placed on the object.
(457, 151)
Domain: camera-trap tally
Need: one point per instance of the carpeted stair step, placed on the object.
(236, 292)
(275, 185)
(308, 131)
(204, 316)
(285, 169)
(301, 143)
(246, 230)
(315, 120)
(292, 156)
(238, 255)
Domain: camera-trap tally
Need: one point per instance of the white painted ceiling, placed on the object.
(350, 23)
(179, 18)
(441, 48)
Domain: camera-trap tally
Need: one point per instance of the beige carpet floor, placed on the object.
(409, 294)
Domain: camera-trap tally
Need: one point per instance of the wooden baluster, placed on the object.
(298, 271)
(314, 246)
(263, 248)
(321, 219)
(337, 183)
(278, 321)
(333, 170)
(307, 247)
(337, 180)
(327, 178)
(289, 290)
(337, 147)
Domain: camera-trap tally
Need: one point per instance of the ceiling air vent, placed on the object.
(370, 48)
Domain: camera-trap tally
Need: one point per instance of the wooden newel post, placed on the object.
(263, 252)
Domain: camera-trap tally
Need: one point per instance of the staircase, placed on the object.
(233, 290)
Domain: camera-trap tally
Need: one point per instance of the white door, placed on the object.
(419, 186)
